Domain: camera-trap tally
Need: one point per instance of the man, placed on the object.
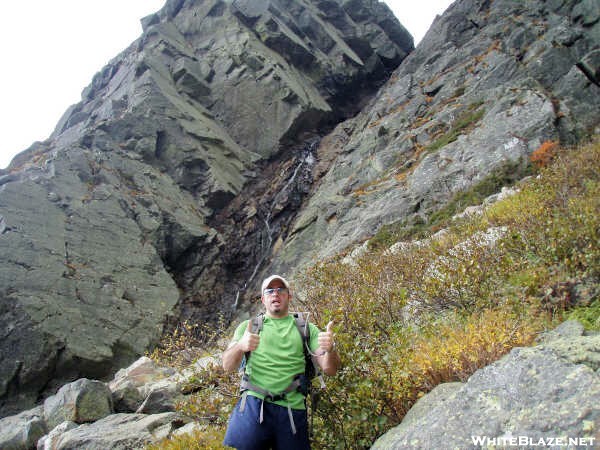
(280, 422)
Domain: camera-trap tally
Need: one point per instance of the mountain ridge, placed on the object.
(108, 227)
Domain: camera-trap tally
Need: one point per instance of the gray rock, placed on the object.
(144, 387)
(81, 401)
(48, 442)
(131, 386)
(586, 11)
(21, 432)
(116, 432)
(161, 399)
(438, 396)
(568, 329)
(547, 391)
(189, 428)
(73, 304)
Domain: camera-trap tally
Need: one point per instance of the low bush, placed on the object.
(395, 345)
(187, 342)
(209, 438)
(588, 315)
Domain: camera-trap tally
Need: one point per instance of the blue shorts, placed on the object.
(245, 432)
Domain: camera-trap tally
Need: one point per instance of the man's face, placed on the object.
(276, 299)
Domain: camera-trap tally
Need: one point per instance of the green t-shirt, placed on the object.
(278, 357)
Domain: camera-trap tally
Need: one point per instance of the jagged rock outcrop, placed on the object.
(110, 228)
(489, 83)
(539, 393)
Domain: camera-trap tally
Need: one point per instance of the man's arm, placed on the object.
(327, 358)
(232, 357)
(329, 363)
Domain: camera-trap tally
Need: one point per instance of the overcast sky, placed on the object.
(51, 50)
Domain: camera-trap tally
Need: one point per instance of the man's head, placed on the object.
(276, 296)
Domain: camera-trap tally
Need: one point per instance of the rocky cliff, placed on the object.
(236, 138)
(113, 226)
(489, 83)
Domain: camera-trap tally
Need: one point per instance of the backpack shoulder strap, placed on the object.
(302, 324)
(312, 369)
(257, 323)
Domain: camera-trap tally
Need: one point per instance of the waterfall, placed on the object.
(306, 161)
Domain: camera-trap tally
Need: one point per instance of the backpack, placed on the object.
(301, 383)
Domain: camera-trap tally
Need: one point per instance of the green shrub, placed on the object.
(212, 390)
(209, 438)
(588, 315)
(187, 342)
(392, 351)
(555, 221)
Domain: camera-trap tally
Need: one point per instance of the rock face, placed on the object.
(489, 83)
(110, 229)
(548, 391)
(239, 137)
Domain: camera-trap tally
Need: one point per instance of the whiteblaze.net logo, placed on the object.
(508, 441)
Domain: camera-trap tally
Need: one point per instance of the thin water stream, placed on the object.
(305, 162)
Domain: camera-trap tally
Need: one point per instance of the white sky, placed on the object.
(51, 50)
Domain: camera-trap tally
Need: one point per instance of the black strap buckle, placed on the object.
(275, 398)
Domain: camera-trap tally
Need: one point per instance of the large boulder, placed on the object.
(81, 293)
(532, 395)
(145, 387)
(48, 441)
(80, 402)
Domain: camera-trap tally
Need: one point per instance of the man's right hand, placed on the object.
(249, 340)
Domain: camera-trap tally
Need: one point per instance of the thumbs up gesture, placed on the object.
(249, 341)
(326, 338)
